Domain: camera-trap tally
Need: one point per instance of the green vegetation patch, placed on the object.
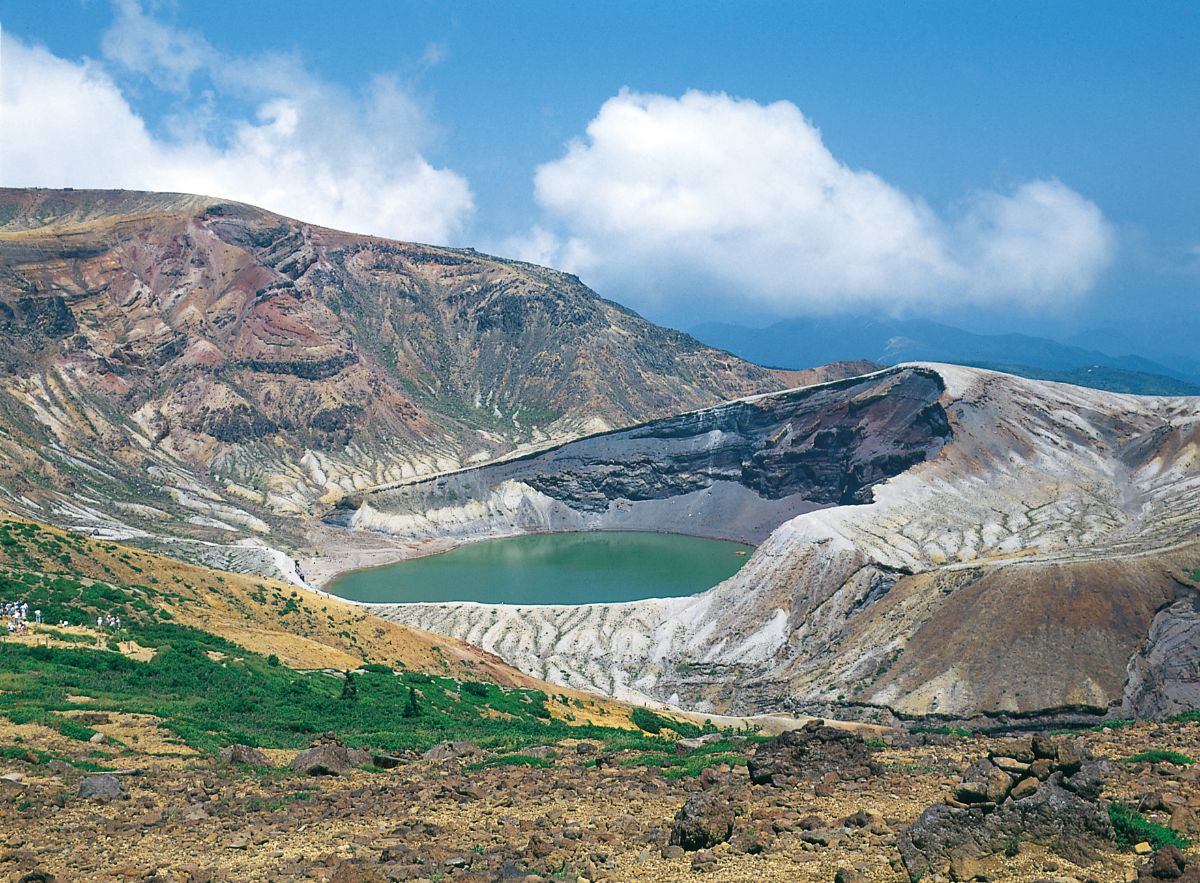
(693, 763)
(512, 760)
(1133, 828)
(243, 698)
(961, 732)
(647, 720)
(1159, 755)
(687, 767)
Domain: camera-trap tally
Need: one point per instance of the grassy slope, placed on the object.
(197, 647)
(305, 629)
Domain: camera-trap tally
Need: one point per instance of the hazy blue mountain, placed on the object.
(1174, 346)
(801, 343)
(1100, 377)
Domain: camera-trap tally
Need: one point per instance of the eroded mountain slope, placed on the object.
(177, 364)
(1035, 560)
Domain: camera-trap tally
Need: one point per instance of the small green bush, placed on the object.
(412, 706)
(961, 732)
(1159, 755)
(1133, 828)
(688, 767)
(512, 760)
(646, 720)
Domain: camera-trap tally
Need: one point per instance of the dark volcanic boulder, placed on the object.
(1055, 805)
(102, 789)
(809, 753)
(704, 820)
(1168, 863)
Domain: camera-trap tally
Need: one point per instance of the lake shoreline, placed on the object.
(356, 550)
(523, 569)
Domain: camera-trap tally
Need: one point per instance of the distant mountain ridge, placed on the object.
(803, 342)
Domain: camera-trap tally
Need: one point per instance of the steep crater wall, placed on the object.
(735, 471)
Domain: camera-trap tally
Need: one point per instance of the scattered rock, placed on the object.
(451, 750)
(1024, 788)
(102, 789)
(809, 753)
(985, 816)
(61, 768)
(98, 739)
(244, 754)
(328, 759)
(682, 746)
(387, 761)
(966, 867)
(704, 820)
(1186, 821)
(355, 872)
(1169, 863)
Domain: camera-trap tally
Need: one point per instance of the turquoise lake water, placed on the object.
(561, 568)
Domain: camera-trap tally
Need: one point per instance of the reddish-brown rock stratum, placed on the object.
(250, 365)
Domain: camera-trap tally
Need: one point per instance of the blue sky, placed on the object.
(1024, 166)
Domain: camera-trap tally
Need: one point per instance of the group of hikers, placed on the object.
(16, 619)
(14, 616)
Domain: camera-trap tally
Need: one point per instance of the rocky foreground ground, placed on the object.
(819, 804)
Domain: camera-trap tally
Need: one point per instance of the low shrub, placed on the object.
(1159, 755)
(511, 760)
(646, 720)
(1133, 828)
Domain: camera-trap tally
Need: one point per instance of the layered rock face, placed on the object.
(178, 364)
(1038, 559)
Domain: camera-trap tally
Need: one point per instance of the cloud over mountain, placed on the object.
(666, 197)
(262, 129)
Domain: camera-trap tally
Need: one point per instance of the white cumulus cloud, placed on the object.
(303, 147)
(667, 197)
